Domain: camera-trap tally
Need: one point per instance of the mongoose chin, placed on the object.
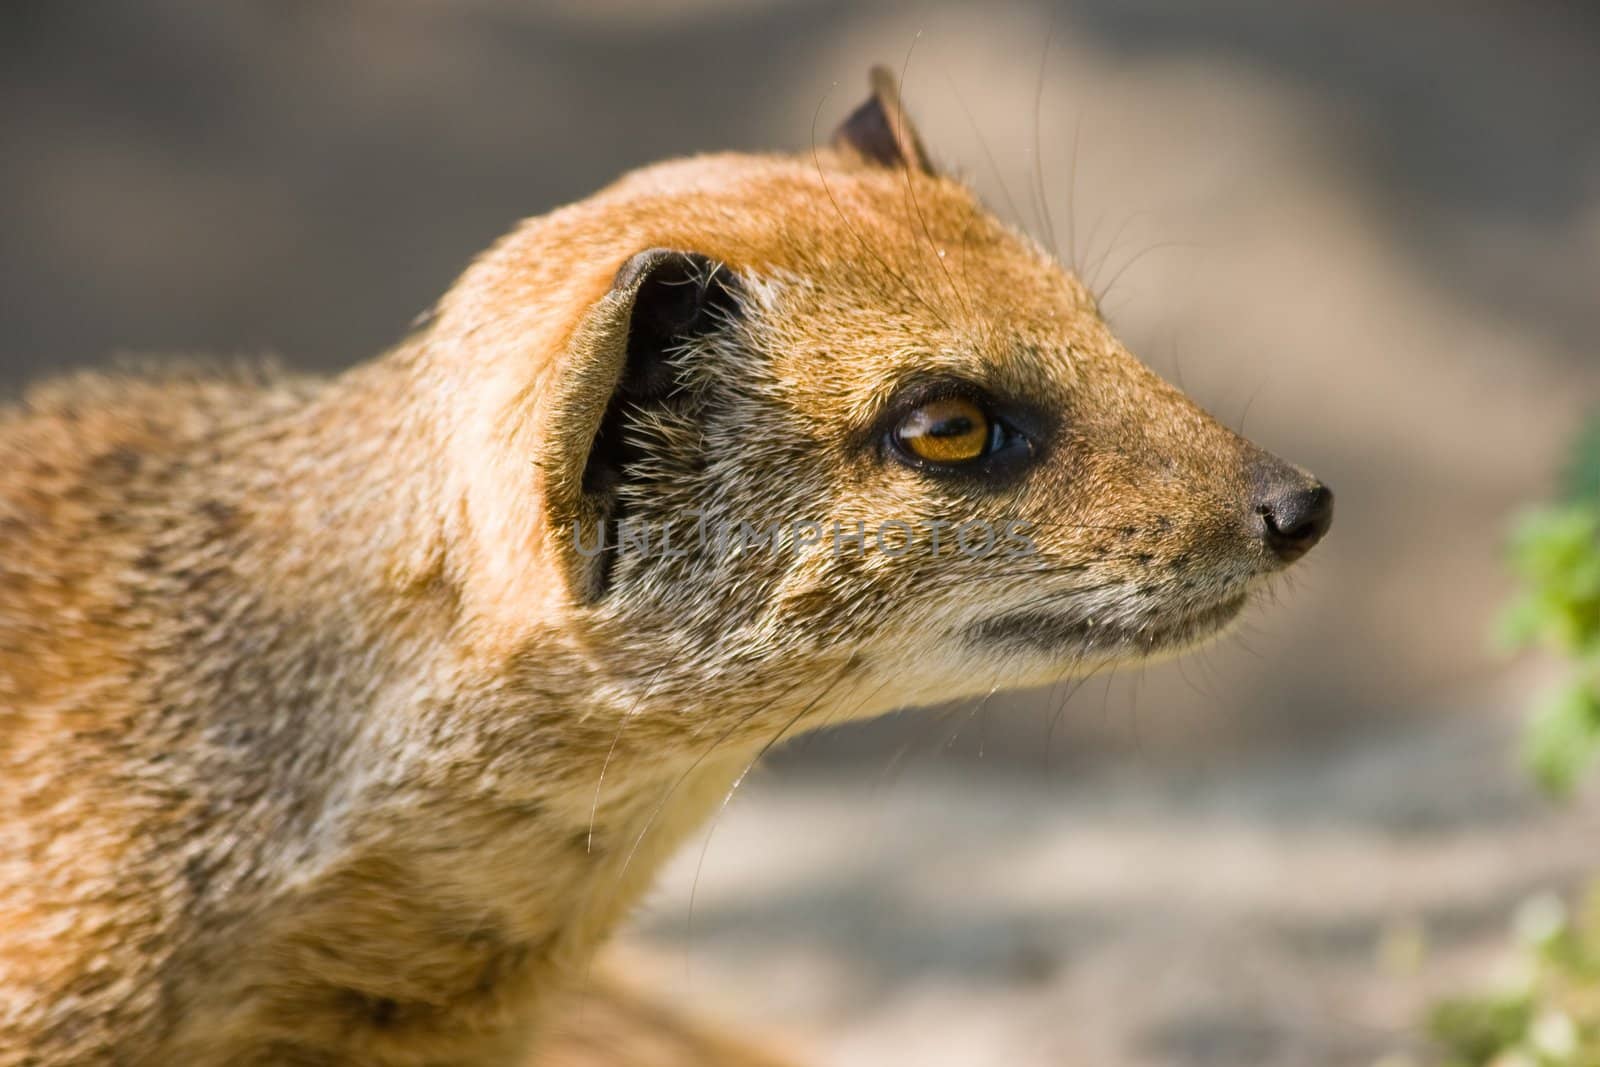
(344, 719)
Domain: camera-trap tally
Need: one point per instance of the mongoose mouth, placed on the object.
(1071, 633)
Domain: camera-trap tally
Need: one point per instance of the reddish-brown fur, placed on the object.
(317, 744)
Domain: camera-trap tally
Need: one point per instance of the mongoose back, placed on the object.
(342, 720)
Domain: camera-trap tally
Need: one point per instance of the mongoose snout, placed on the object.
(1293, 510)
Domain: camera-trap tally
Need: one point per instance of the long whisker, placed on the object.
(1072, 195)
(978, 712)
(1103, 293)
(1249, 402)
(1092, 272)
(594, 808)
(705, 846)
(733, 728)
(899, 119)
(983, 144)
(1114, 527)
(1038, 157)
(816, 160)
(1075, 664)
(943, 718)
(673, 788)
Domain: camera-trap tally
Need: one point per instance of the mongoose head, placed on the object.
(848, 443)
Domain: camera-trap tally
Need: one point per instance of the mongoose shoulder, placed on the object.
(342, 720)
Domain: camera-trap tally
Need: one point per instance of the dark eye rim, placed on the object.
(1015, 433)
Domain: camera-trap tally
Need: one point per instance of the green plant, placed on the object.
(1550, 1017)
(1555, 553)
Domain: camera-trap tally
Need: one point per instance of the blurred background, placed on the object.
(1368, 234)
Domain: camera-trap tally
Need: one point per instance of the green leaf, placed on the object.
(1563, 738)
(1474, 1030)
(1556, 553)
(1580, 480)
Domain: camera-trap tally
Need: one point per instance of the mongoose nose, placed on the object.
(1294, 512)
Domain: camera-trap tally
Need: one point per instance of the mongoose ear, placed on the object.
(880, 131)
(620, 363)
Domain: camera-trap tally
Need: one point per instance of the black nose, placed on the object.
(1294, 511)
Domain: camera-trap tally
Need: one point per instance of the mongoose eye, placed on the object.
(949, 430)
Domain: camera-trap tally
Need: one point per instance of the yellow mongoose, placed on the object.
(341, 721)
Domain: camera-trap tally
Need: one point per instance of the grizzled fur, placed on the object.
(322, 743)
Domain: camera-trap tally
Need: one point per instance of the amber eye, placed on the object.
(949, 430)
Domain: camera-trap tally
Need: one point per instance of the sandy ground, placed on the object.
(1294, 911)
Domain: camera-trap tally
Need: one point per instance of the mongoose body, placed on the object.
(342, 720)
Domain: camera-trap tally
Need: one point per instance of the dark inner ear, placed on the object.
(680, 296)
(880, 131)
